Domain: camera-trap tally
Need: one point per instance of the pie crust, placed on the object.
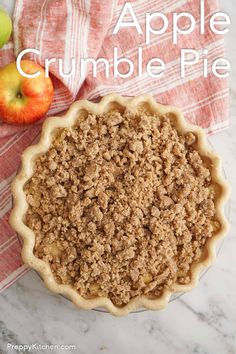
(107, 104)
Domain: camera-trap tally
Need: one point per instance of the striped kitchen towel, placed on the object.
(84, 28)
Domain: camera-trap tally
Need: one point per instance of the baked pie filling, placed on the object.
(122, 205)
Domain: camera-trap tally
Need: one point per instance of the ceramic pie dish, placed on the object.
(120, 204)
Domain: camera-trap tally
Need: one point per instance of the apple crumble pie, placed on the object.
(122, 205)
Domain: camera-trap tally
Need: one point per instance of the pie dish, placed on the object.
(120, 204)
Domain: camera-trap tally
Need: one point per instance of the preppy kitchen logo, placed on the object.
(156, 24)
(22, 348)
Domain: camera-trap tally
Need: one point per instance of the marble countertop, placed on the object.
(200, 322)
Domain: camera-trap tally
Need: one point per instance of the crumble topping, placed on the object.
(121, 205)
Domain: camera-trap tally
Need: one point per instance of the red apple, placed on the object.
(24, 100)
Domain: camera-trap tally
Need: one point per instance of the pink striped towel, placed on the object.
(83, 28)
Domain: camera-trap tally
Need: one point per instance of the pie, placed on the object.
(120, 204)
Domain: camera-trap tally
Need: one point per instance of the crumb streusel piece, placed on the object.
(121, 206)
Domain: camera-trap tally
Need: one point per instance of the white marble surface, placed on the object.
(201, 322)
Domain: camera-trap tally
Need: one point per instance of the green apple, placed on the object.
(5, 27)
